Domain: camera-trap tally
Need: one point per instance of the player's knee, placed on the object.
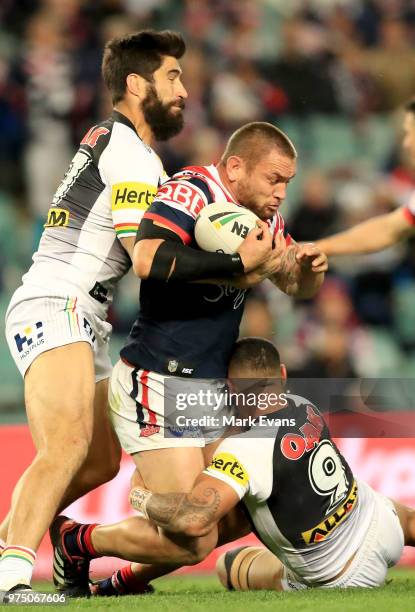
(74, 442)
(65, 457)
(97, 475)
(112, 467)
(106, 470)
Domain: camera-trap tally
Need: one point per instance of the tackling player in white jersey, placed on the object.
(321, 526)
(55, 324)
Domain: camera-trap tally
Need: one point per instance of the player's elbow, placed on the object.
(142, 268)
(193, 527)
(142, 260)
(195, 531)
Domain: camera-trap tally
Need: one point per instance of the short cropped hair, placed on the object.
(141, 53)
(410, 106)
(254, 140)
(256, 354)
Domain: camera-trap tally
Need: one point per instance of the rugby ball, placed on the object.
(223, 226)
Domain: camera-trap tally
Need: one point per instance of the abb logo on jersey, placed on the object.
(177, 192)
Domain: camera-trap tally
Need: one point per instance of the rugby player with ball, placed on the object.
(191, 304)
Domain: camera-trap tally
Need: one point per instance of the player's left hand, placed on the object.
(310, 257)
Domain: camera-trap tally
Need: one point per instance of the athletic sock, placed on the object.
(16, 566)
(78, 541)
(129, 582)
(122, 582)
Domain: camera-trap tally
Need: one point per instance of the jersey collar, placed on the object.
(277, 413)
(213, 171)
(117, 116)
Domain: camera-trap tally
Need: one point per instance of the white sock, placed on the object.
(16, 566)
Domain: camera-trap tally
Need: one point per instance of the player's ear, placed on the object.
(235, 167)
(283, 374)
(136, 85)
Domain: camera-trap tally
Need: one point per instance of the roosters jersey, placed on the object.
(109, 185)
(187, 329)
(299, 492)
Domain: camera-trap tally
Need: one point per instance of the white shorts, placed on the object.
(38, 324)
(381, 549)
(144, 414)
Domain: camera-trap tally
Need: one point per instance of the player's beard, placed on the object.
(159, 116)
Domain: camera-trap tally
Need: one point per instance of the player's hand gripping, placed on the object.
(256, 248)
(270, 266)
(311, 258)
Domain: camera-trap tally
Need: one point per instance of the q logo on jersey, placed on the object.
(226, 463)
(132, 195)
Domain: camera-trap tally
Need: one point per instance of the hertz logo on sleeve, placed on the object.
(132, 195)
(226, 463)
(57, 217)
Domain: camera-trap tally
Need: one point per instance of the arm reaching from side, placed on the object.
(371, 235)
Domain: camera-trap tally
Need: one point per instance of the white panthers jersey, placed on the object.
(300, 494)
(110, 183)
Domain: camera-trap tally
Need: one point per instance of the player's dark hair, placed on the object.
(254, 140)
(141, 53)
(410, 106)
(256, 354)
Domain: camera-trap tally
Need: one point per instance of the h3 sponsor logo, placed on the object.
(31, 337)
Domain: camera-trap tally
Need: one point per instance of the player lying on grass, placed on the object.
(186, 330)
(385, 230)
(321, 527)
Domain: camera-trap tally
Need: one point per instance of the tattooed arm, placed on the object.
(301, 271)
(192, 514)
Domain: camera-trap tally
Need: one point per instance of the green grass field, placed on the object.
(200, 593)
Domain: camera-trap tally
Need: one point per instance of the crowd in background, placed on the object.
(331, 73)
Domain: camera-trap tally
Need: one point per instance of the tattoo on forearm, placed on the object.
(172, 510)
(288, 273)
(139, 499)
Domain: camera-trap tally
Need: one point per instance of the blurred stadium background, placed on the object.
(331, 73)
